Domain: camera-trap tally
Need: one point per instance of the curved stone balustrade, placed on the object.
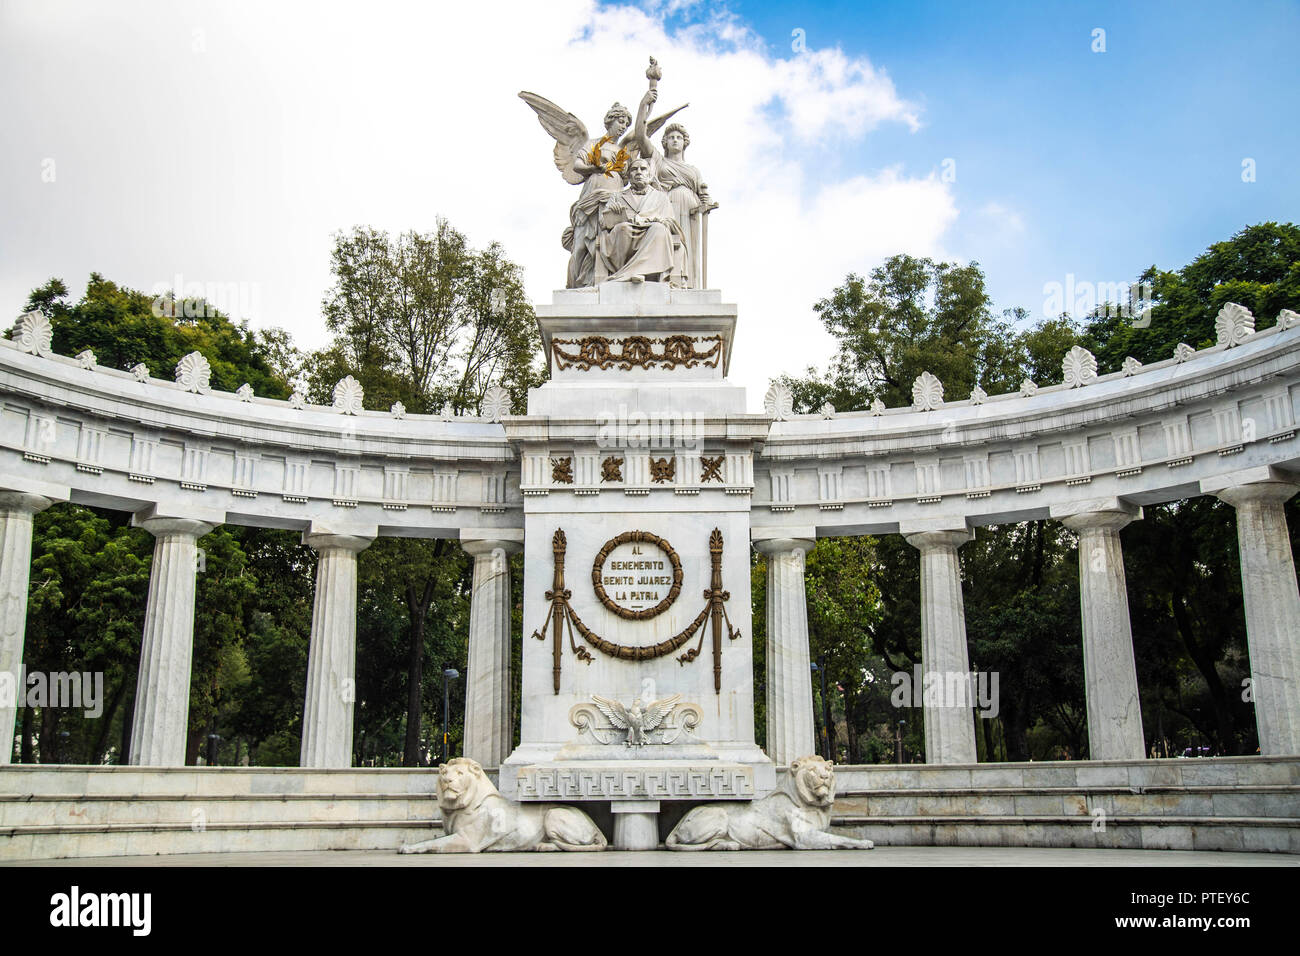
(1166, 432)
(101, 437)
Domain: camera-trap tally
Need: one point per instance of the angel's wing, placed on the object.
(613, 710)
(657, 123)
(566, 129)
(656, 712)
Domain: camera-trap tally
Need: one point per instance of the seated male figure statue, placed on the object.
(640, 238)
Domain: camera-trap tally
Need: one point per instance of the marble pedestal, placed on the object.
(637, 431)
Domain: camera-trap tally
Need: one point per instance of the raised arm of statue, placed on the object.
(640, 132)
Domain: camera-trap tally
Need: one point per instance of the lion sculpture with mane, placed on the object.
(478, 819)
(794, 816)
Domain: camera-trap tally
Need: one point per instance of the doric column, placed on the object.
(162, 689)
(789, 680)
(1272, 600)
(1109, 673)
(16, 513)
(949, 724)
(331, 661)
(488, 730)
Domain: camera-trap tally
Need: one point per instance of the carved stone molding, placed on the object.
(637, 351)
(623, 782)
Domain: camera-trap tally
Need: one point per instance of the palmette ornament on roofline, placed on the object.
(297, 401)
(141, 372)
(827, 410)
(194, 373)
(927, 393)
(1234, 324)
(1183, 352)
(1079, 367)
(877, 408)
(496, 403)
(34, 334)
(1028, 388)
(87, 359)
(245, 392)
(978, 395)
(1131, 366)
(348, 395)
(779, 402)
(398, 410)
(1286, 319)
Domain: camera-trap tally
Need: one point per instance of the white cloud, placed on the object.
(226, 142)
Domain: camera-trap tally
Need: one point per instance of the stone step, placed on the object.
(1218, 801)
(74, 779)
(141, 839)
(192, 809)
(1138, 832)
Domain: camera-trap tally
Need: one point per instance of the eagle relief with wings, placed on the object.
(638, 720)
(597, 165)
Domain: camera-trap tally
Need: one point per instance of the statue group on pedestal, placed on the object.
(643, 212)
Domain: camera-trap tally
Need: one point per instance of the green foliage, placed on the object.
(123, 327)
(426, 320)
(1259, 268)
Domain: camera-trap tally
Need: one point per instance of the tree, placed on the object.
(90, 568)
(427, 320)
(123, 327)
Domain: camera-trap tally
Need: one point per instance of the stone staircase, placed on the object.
(1223, 803)
(1227, 803)
(51, 812)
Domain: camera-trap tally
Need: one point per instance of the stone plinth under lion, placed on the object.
(478, 819)
(795, 817)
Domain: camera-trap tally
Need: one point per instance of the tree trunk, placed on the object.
(1205, 664)
(1014, 731)
(417, 603)
(29, 721)
(850, 728)
(106, 723)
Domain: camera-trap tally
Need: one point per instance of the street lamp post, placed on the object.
(898, 736)
(448, 674)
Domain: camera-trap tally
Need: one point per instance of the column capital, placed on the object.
(325, 541)
(1262, 484)
(933, 540)
(777, 546)
(23, 503)
(1258, 491)
(1105, 514)
(477, 541)
(159, 520)
(190, 527)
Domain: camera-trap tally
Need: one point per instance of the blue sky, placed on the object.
(1111, 161)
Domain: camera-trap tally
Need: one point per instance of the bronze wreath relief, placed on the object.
(561, 615)
(636, 537)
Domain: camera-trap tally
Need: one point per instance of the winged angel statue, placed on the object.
(603, 166)
(638, 721)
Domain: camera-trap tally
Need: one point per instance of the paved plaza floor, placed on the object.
(886, 856)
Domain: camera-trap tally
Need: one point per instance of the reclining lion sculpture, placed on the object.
(478, 819)
(794, 816)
